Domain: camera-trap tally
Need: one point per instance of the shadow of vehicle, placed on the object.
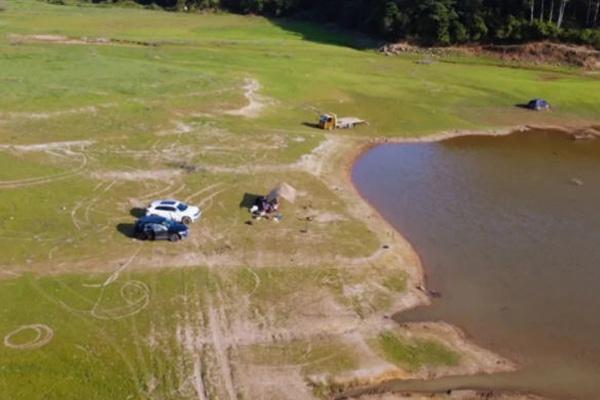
(137, 212)
(127, 230)
(249, 200)
(311, 125)
(523, 105)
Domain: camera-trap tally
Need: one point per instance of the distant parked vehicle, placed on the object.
(153, 227)
(330, 121)
(538, 105)
(174, 210)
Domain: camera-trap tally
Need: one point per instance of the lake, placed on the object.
(508, 231)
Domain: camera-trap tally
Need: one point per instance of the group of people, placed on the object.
(264, 208)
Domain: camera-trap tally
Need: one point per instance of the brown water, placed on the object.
(508, 229)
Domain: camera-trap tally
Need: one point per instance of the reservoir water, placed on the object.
(508, 231)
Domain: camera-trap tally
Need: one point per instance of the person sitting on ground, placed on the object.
(260, 207)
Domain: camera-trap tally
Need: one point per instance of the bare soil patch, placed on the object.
(453, 395)
(16, 39)
(65, 146)
(532, 53)
(161, 175)
(256, 102)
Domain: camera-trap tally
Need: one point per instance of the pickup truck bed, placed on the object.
(349, 122)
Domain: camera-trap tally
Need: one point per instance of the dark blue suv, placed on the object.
(153, 227)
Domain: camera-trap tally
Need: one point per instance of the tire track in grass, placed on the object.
(192, 344)
(19, 183)
(151, 195)
(198, 193)
(176, 191)
(133, 306)
(207, 202)
(94, 200)
(101, 336)
(74, 215)
(217, 332)
(44, 335)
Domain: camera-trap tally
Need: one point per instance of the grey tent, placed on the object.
(538, 105)
(282, 191)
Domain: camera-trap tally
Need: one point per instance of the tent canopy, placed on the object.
(283, 190)
(538, 104)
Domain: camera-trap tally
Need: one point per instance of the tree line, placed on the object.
(439, 22)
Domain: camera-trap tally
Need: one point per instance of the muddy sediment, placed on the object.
(537, 53)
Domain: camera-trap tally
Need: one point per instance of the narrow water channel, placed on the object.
(508, 230)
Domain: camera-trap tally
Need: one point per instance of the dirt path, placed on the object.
(256, 103)
(62, 39)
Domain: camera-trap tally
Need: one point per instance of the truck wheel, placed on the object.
(174, 237)
(186, 220)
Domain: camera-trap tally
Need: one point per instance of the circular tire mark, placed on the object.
(136, 295)
(43, 336)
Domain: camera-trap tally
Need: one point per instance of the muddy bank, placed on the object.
(577, 131)
(449, 395)
(537, 53)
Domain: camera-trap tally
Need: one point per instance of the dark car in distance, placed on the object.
(538, 105)
(153, 227)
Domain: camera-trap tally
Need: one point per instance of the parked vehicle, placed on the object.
(154, 227)
(174, 210)
(538, 105)
(330, 121)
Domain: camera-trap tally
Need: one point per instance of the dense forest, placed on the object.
(440, 22)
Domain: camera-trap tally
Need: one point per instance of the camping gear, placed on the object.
(538, 105)
(264, 206)
(331, 121)
(282, 191)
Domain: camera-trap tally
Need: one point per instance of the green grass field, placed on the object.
(90, 132)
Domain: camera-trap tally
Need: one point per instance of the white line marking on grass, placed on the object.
(178, 190)
(197, 381)
(217, 332)
(257, 281)
(115, 275)
(255, 104)
(46, 179)
(65, 146)
(207, 202)
(133, 304)
(51, 252)
(43, 336)
(73, 216)
(198, 193)
(93, 201)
